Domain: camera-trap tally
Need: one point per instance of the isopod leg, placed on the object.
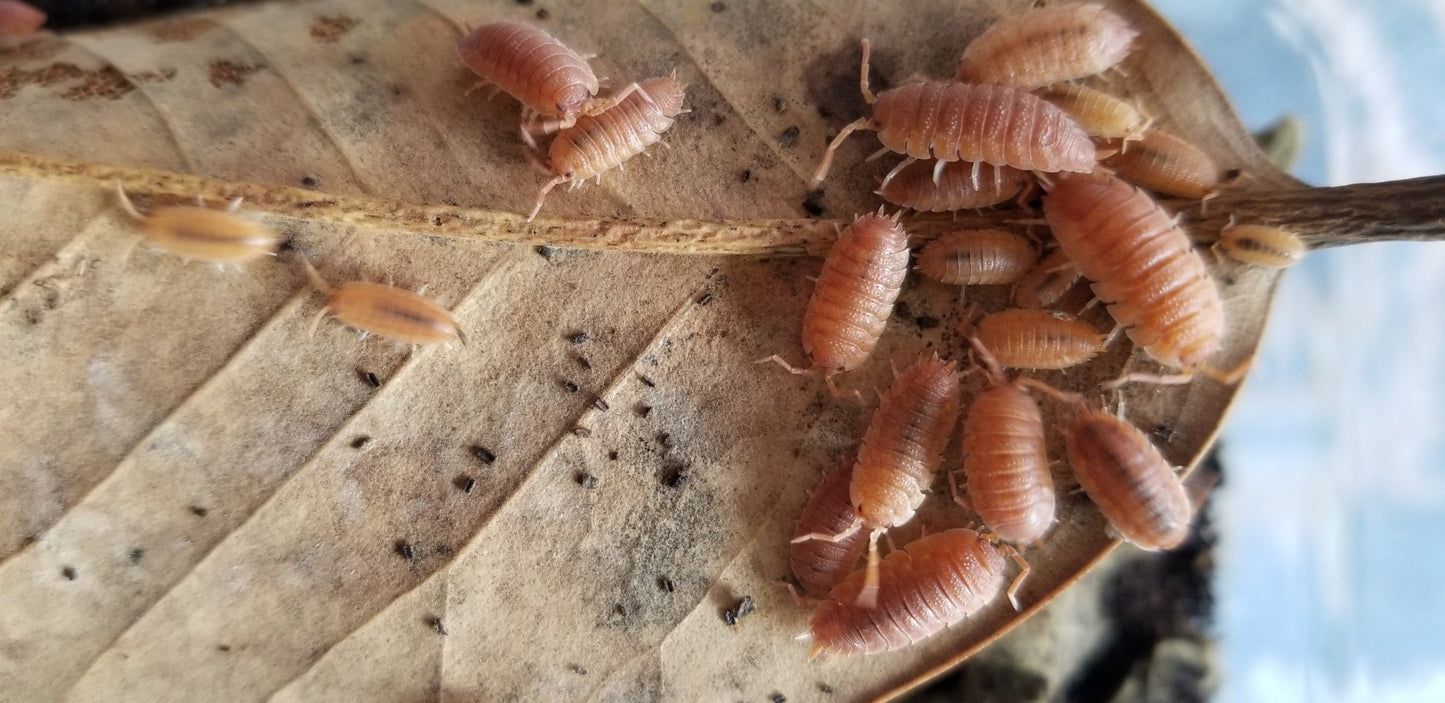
(868, 595)
(868, 95)
(896, 170)
(958, 496)
(780, 361)
(1018, 582)
(1157, 379)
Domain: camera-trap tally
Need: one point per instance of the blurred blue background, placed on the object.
(1331, 584)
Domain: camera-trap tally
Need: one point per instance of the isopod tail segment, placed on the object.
(851, 127)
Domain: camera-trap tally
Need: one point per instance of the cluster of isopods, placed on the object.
(558, 92)
(1011, 117)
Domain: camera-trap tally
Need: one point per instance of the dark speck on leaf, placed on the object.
(587, 480)
(578, 337)
(780, 103)
(812, 203)
(69, 573)
(569, 386)
(484, 455)
(789, 136)
(198, 511)
(665, 440)
(545, 252)
(644, 410)
(646, 381)
(730, 617)
(679, 478)
(779, 698)
(438, 625)
(666, 584)
(464, 483)
(310, 181)
(925, 322)
(612, 455)
(718, 6)
(360, 442)
(224, 648)
(745, 607)
(370, 379)
(747, 175)
(136, 555)
(581, 431)
(578, 669)
(403, 548)
(601, 404)
(543, 14)
(705, 300)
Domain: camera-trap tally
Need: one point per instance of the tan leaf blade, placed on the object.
(199, 501)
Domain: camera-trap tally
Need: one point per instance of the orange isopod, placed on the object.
(961, 185)
(386, 311)
(534, 67)
(854, 295)
(820, 564)
(1258, 245)
(1126, 476)
(923, 588)
(1006, 460)
(18, 19)
(1167, 164)
(1039, 339)
(948, 121)
(1047, 45)
(1054, 276)
(203, 234)
(979, 257)
(1102, 115)
(1142, 266)
(604, 141)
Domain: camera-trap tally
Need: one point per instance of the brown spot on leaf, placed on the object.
(181, 30)
(328, 30)
(225, 73)
(108, 83)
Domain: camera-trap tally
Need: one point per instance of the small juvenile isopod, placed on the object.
(1047, 45)
(1167, 164)
(532, 66)
(1258, 245)
(854, 295)
(1005, 459)
(203, 234)
(1125, 475)
(1039, 339)
(604, 141)
(820, 564)
(18, 19)
(977, 257)
(922, 589)
(961, 185)
(386, 311)
(1102, 115)
(947, 121)
(1142, 265)
(1047, 282)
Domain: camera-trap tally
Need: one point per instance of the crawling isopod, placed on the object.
(1258, 245)
(956, 187)
(203, 234)
(854, 295)
(948, 121)
(1102, 115)
(901, 450)
(1054, 276)
(1142, 267)
(1039, 339)
(977, 257)
(821, 564)
(604, 141)
(1047, 45)
(1005, 459)
(1134, 487)
(922, 589)
(548, 78)
(1125, 475)
(386, 311)
(18, 19)
(1167, 164)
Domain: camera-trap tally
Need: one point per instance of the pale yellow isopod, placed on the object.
(203, 234)
(1258, 245)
